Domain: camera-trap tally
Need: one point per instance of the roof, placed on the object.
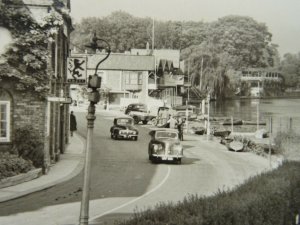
(123, 117)
(167, 54)
(121, 62)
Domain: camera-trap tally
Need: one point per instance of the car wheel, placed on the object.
(135, 138)
(154, 121)
(178, 161)
(111, 136)
(116, 137)
(145, 122)
(136, 120)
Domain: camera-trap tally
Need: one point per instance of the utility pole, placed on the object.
(188, 80)
(94, 83)
(201, 71)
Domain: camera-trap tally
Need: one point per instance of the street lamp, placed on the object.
(94, 83)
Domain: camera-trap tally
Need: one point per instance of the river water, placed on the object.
(284, 113)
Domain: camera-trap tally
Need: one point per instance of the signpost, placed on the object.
(60, 100)
(77, 67)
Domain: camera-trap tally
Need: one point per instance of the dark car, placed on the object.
(165, 145)
(123, 129)
(138, 107)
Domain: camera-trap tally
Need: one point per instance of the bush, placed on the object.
(272, 198)
(29, 145)
(11, 165)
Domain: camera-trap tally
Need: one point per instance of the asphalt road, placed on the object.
(123, 180)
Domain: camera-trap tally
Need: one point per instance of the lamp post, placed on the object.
(94, 83)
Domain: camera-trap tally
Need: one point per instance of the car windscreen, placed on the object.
(140, 107)
(124, 121)
(166, 134)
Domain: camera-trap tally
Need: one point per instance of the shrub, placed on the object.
(29, 145)
(11, 165)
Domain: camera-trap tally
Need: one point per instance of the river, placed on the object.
(285, 113)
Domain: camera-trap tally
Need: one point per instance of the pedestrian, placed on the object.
(172, 122)
(73, 123)
(180, 125)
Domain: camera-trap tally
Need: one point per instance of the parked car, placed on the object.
(141, 116)
(123, 128)
(180, 111)
(165, 146)
(138, 107)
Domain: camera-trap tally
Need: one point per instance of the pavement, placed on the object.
(70, 164)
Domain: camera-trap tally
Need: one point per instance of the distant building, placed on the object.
(169, 75)
(260, 82)
(123, 75)
(19, 108)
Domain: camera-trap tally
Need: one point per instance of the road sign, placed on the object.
(60, 100)
(77, 70)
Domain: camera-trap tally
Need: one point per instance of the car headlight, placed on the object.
(157, 147)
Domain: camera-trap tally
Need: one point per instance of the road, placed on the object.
(123, 180)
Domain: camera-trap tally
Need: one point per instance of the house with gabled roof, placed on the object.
(168, 77)
(123, 75)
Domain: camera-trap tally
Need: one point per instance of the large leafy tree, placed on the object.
(290, 68)
(123, 32)
(232, 42)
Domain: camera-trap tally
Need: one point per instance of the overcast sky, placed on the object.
(282, 17)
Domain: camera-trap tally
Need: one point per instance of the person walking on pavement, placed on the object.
(180, 128)
(73, 123)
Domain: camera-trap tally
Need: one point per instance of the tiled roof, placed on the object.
(121, 62)
(167, 54)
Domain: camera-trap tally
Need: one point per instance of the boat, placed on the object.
(236, 146)
(245, 122)
(221, 133)
(234, 122)
(200, 130)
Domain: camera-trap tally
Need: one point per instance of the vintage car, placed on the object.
(184, 111)
(165, 145)
(123, 129)
(138, 112)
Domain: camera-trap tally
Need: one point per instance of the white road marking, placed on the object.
(136, 199)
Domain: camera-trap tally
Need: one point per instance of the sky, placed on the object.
(282, 17)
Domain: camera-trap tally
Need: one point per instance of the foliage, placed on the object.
(290, 68)
(231, 43)
(26, 58)
(271, 198)
(287, 142)
(29, 145)
(11, 165)
(124, 32)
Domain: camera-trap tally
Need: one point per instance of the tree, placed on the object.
(232, 42)
(290, 68)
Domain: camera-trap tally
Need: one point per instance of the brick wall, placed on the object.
(26, 109)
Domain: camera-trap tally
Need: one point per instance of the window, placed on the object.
(133, 78)
(140, 78)
(4, 121)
